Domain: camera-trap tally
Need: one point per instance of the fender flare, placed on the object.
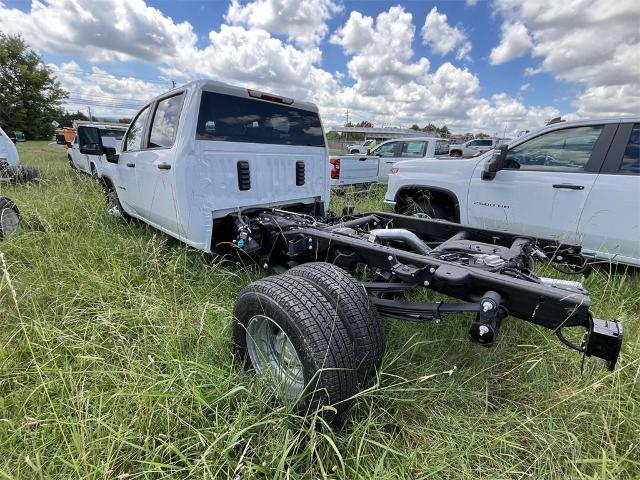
(456, 203)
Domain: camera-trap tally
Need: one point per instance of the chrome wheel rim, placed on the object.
(9, 221)
(272, 353)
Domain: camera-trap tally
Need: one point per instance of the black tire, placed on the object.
(113, 202)
(8, 207)
(424, 207)
(71, 164)
(93, 171)
(455, 153)
(319, 338)
(22, 173)
(356, 312)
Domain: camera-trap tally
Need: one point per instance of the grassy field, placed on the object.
(115, 363)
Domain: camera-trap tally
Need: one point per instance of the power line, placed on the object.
(111, 75)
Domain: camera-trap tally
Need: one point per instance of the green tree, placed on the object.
(443, 131)
(30, 96)
(415, 127)
(124, 120)
(365, 124)
(430, 128)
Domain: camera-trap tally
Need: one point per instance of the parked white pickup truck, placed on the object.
(574, 181)
(473, 147)
(198, 154)
(367, 169)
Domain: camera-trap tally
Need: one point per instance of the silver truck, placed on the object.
(366, 169)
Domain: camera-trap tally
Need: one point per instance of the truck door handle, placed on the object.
(131, 164)
(568, 186)
(362, 159)
(164, 166)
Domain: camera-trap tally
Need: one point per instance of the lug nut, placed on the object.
(486, 306)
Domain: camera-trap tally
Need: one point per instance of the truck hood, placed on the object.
(426, 165)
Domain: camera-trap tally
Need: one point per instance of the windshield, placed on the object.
(111, 132)
(228, 118)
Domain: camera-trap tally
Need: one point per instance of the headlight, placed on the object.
(395, 169)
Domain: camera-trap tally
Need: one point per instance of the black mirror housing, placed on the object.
(497, 163)
(110, 153)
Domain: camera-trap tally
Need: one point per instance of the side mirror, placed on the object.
(497, 163)
(90, 141)
(110, 153)
(368, 151)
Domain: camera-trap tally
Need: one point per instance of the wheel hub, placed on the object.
(271, 353)
(9, 221)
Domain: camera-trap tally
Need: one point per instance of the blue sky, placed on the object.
(523, 61)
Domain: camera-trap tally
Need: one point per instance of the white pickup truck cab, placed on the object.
(8, 152)
(578, 182)
(196, 156)
(374, 168)
(93, 164)
(473, 147)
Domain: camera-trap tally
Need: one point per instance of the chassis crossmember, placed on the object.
(491, 272)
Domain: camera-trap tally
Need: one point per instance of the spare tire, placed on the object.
(9, 217)
(286, 329)
(351, 302)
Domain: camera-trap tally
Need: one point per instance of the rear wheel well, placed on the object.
(445, 199)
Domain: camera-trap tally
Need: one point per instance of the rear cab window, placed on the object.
(227, 118)
(413, 149)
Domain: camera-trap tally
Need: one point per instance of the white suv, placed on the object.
(578, 182)
(473, 147)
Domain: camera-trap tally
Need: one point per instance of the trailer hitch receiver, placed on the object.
(604, 341)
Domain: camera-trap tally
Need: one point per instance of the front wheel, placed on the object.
(114, 207)
(286, 330)
(455, 153)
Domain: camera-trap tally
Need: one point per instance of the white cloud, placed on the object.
(594, 43)
(108, 95)
(515, 43)
(442, 37)
(384, 81)
(99, 30)
(303, 21)
(472, 3)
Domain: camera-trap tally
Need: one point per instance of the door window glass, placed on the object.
(386, 150)
(631, 160)
(566, 150)
(165, 122)
(413, 149)
(473, 143)
(135, 137)
(89, 137)
(442, 147)
(484, 143)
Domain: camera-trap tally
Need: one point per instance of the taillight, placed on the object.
(335, 171)
(395, 169)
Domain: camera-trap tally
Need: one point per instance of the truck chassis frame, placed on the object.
(490, 273)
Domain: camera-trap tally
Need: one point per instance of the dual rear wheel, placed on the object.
(313, 334)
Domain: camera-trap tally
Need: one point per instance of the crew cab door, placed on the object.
(155, 166)
(132, 148)
(543, 190)
(610, 223)
(389, 154)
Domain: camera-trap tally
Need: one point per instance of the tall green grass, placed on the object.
(115, 362)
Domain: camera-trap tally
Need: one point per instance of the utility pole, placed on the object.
(90, 117)
(173, 82)
(347, 118)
